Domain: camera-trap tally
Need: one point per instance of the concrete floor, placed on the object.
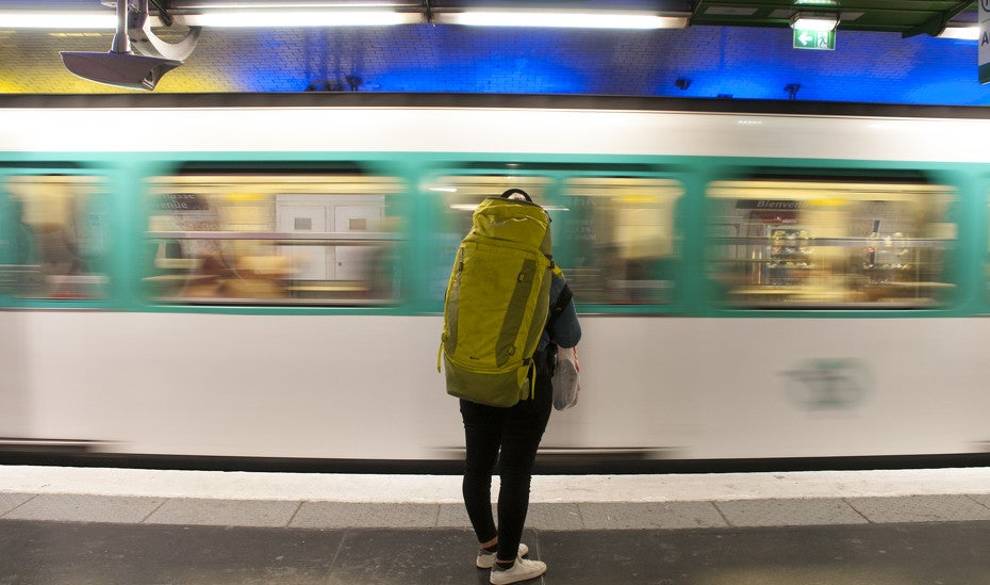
(72, 553)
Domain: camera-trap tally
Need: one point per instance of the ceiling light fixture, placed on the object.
(607, 20)
(297, 18)
(815, 21)
(188, 5)
(57, 20)
(961, 33)
(319, 16)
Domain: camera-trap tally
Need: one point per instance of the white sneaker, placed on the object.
(523, 570)
(486, 560)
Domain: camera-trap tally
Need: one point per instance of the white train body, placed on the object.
(364, 386)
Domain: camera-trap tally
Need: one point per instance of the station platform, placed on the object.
(108, 526)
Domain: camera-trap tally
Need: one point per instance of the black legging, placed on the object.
(517, 431)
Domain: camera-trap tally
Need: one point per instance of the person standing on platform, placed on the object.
(507, 309)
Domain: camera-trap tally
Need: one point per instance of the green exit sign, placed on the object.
(816, 40)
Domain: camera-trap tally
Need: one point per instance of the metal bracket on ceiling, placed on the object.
(162, 6)
(428, 11)
(695, 6)
(149, 44)
(935, 25)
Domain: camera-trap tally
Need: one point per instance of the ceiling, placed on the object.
(908, 17)
(736, 61)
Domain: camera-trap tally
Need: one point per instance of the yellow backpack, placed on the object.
(497, 302)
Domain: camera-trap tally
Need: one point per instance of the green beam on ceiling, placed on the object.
(936, 24)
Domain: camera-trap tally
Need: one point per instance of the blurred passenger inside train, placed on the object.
(47, 242)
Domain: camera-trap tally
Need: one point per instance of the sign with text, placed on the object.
(770, 204)
(984, 41)
(818, 40)
(183, 202)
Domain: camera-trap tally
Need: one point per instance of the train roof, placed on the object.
(469, 125)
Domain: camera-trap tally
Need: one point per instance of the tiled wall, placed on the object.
(741, 62)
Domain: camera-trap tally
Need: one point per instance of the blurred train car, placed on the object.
(262, 277)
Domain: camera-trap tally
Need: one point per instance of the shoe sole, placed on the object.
(536, 576)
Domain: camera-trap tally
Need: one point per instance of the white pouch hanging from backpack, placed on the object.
(565, 381)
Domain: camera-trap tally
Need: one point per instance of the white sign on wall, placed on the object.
(984, 41)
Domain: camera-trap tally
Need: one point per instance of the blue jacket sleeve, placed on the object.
(565, 331)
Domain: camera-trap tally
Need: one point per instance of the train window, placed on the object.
(619, 237)
(56, 237)
(275, 239)
(831, 244)
(460, 195)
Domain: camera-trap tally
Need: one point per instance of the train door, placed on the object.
(14, 413)
(53, 249)
(350, 262)
(302, 215)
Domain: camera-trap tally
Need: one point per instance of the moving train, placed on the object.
(243, 277)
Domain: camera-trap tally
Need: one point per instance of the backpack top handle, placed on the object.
(512, 192)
